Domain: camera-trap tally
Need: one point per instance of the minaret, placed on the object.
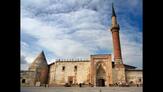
(116, 40)
(119, 73)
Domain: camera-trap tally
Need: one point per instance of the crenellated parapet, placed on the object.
(72, 60)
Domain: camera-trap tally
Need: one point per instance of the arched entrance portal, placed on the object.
(100, 76)
(101, 82)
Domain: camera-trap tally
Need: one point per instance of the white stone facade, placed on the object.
(79, 71)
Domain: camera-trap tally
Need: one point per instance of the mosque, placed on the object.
(99, 70)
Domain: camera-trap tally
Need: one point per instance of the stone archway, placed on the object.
(100, 76)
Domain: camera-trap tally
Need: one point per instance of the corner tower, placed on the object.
(119, 67)
(40, 67)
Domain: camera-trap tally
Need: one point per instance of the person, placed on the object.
(80, 85)
(47, 85)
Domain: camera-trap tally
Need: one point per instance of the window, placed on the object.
(63, 68)
(23, 80)
(75, 68)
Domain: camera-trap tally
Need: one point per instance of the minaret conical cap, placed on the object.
(113, 11)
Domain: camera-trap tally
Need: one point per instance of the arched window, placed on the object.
(75, 68)
(23, 80)
(63, 68)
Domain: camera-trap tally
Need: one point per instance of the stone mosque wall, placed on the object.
(134, 76)
(73, 72)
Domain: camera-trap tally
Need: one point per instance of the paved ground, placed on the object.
(84, 89)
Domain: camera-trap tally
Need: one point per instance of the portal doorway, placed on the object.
(100, 82)
(100, 76)
(70, 80)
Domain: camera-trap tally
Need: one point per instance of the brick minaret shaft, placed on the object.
(116, 40)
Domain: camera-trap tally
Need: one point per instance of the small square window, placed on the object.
(23, 80)
(63, 68)
(75, 68)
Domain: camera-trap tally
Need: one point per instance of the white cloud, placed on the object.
(24, 63)
(24, 67)
(24, 44)
(23, 60)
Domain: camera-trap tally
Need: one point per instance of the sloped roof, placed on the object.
(40, 60)
(126, 66)
(134, 69)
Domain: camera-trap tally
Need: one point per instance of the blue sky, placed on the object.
(79, 28)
